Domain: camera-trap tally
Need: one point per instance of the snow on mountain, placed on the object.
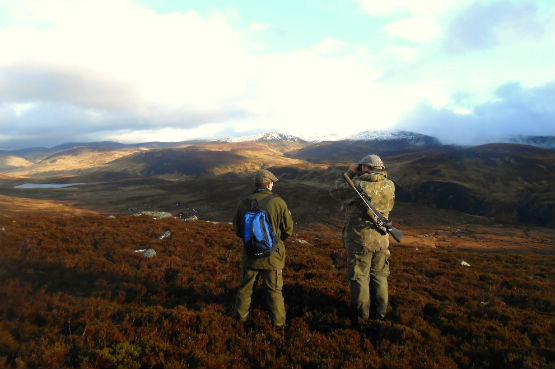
(412, 137)
(321, 137)
(263, 137)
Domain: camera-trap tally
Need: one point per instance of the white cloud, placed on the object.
(167, 61)
(414, 29)
(304, 92)
(400, 53)
(19, 109)
(166, 134)
(328, 45)
(383, 8)
(179, 71)
(257, 27)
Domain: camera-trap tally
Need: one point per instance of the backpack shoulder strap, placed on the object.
(251, 204)
(266, 200)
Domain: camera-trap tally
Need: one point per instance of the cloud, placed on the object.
(131, 68)
(383, 8)
(27, 83)
(414, 29)
(515, 110)
(328, 45)
(487, 24)
(127, 57)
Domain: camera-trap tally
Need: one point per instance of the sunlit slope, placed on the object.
(208, 159)
(71, 161)
(9, 162)
(12, 205)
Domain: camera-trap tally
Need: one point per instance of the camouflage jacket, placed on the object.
(282, 223)
(360, 234)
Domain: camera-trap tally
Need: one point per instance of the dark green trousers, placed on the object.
(272, 281)
(367, 274)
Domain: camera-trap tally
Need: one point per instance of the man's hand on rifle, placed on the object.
(353, 169)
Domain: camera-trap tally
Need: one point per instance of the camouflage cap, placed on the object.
(373, 161)
(264, 176)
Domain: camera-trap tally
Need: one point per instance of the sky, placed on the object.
(465, 71)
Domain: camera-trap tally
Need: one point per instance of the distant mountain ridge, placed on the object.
(413, 138)
(263, 137)
(364, 143)
(408, 137)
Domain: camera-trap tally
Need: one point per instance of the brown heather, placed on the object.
(73, 293)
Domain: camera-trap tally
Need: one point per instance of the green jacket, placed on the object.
(282, 223)
(360, 234)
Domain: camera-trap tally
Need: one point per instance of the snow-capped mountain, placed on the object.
(263, 137)
(413, 138)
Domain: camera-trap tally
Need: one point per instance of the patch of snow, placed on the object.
(262, 137)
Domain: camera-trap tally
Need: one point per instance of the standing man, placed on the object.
(269, 268)
(367, 246)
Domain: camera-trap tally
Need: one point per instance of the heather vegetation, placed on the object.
(75, 294)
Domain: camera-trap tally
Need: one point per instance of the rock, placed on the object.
(155, 214)
(147, 253)
(192, 218)
(304, 242)
(464, 263)
(111, 217)
(3, 229)
(165, 235)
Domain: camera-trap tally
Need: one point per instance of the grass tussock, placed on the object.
(75, 294)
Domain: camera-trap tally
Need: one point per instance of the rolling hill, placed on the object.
(502, 180)
(510, 182)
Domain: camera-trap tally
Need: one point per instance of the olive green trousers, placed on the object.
(367, 274)
(272, 281)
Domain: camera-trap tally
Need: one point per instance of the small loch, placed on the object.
(46, 185)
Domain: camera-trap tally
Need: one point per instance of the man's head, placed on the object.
(264, 179)
(371, 162)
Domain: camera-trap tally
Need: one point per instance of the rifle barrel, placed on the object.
(378, 217)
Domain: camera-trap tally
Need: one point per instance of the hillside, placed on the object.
(76, 295)
(347, 151)
(508, 181)
(206, 159)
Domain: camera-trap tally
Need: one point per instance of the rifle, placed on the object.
(384, 225)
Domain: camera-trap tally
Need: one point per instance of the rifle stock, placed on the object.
(376, 217)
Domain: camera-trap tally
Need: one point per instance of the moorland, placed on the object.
(76, 294)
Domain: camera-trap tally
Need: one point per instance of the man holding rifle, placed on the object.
(367, 197)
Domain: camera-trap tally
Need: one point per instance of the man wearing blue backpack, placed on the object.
(263, 221)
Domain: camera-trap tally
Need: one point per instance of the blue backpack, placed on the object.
(258, 235)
